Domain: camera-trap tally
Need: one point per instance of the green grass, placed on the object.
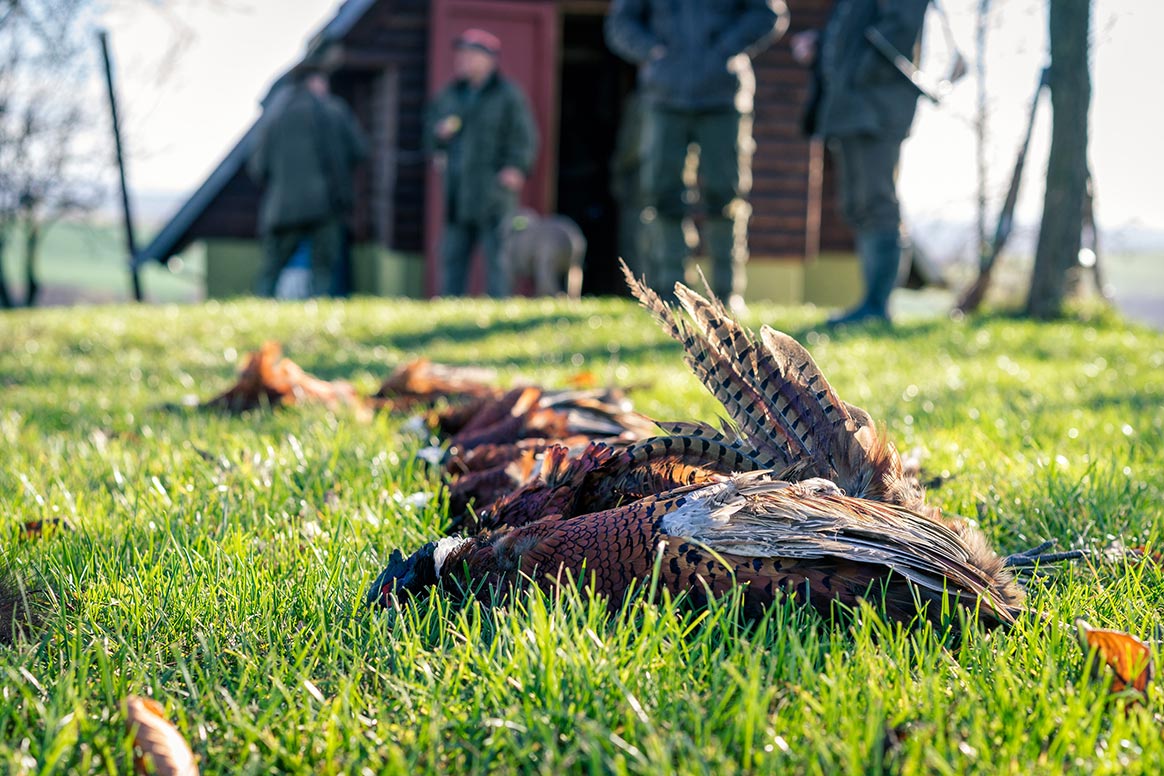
(219, 564)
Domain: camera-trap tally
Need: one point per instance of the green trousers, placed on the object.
(279, 246)
(868, 171)
(724, 180)
(457, 252)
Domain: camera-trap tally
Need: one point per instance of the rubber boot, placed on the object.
(880, 254)
(728, 252)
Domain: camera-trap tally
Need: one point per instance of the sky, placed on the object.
(191, 73)
(938, 179)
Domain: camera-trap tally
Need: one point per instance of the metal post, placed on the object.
(130, 242)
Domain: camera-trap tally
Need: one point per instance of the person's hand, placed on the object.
(511, 178)
(447, 127)
(657, 52)
(804, 46)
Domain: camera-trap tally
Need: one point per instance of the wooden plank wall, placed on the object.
(395, 33)
(780, 168)
(233, 213)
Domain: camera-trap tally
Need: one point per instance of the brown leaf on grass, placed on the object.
(268, 379)
(1117, 552)
(1126, 655)
(159, 747)
(586, 379)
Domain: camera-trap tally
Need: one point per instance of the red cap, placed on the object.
(479, 39)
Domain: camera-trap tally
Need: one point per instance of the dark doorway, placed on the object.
(594, 86)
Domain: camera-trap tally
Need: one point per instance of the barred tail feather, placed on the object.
(724, 379)
(728, 362)
(697, 449)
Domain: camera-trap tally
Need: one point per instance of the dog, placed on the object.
(546, 249)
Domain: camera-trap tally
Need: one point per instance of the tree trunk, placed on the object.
(31, 253)
(5, 297)
(1062, 226)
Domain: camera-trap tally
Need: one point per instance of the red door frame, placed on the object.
(530, 57)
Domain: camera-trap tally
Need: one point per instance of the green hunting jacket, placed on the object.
(497, 131)
(856, 89)
(701, 40)
(304, 155)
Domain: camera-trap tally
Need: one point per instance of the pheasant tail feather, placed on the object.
(783, 411)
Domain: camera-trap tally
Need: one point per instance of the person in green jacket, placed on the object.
(863, 106)
(697, 85)
(308, 144)
(481, 125)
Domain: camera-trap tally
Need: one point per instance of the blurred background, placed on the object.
(190, 75)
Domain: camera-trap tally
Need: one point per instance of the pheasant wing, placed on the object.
(755, 516)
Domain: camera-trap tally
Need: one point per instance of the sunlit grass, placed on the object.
(219, 564)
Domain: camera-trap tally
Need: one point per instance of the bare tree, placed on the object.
(44, 173)
(47, 58)
(1063, 204)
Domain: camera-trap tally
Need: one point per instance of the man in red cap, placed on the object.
(482, 126)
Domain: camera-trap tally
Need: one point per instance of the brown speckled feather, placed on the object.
(492, 455)
(783, 413)
(480, 489)
(777, 538)
(499, 421)
(602, 477)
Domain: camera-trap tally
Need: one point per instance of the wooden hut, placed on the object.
(391, 54)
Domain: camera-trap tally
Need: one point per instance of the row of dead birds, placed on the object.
(796, 494)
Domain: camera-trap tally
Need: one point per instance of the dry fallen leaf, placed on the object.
(1128, 657)
(585, 379)
(160, 743)
(1155, 556)
(1117, 552)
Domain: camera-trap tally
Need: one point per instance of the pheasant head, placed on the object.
(418, 572)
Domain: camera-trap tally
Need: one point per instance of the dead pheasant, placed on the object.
(423, 382)
(568, 483)
(774, 538)
(840, 521)
(268, 380)
(530, 412)
(495, 451)
(782, 415)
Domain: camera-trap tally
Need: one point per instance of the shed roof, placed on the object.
(175, 235)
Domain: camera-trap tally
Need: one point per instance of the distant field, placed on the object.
(87, 263)
(1138, 283)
